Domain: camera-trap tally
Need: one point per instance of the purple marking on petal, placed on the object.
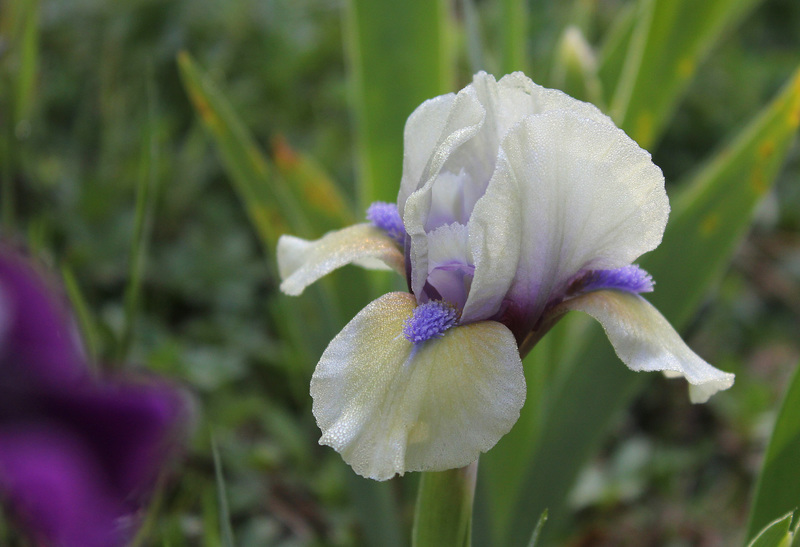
(452, 282)
(430, 320)
(386, 217)
(631, 279)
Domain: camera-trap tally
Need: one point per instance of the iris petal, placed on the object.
(57, 487)
(390, 406)
(423, 129)
(301, 262)
(645, 341)
(572, 193)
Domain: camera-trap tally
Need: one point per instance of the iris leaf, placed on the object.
(778, 487)
(399, 55)
(514, 21)
(774, 534)
(614, 49)
(670, 39)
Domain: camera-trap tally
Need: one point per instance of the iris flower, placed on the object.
(78, 456)
(517, 204)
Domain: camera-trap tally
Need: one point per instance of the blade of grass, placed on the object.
(778, 487)
(7, 192)
(706, 224)
(712, 213)
(27, 42)
(538, 530)
(671, 39)
(146, 189)
(19, 67)
(275, 206)
(222, 498)
(86, 322)
(399, 55)
(774, 534)
(323, 201)
(268, 202)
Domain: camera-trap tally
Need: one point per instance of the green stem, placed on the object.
(443, 516)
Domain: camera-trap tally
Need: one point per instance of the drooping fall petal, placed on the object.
(645, 341)
(388, 405)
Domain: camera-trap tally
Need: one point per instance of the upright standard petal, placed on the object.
(388, 405)
(422, 131)
(584, 196)
(645, 341)
(301, 262)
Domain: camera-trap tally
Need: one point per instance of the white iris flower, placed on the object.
(517, 204)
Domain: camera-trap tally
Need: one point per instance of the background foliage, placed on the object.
(98, 108)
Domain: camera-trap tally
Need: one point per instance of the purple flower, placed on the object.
(78, 456)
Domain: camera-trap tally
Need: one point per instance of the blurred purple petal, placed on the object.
(38, 342)
(53, 487)
(130, 428)
(78, 455)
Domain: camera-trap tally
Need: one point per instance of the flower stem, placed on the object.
(444, 507)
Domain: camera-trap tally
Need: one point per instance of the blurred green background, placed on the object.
(93, 104)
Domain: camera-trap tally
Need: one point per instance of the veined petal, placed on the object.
(645, 340)
(584, 195)
(301, 262)
(389, 406)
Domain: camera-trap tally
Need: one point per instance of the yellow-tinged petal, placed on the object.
(301, 262)
(645, 340)
(389, 406)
